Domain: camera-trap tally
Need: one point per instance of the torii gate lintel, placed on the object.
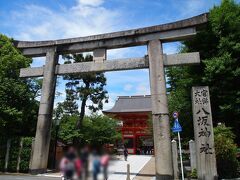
(113, 65)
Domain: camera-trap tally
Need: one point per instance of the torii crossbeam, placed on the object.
(153, 37)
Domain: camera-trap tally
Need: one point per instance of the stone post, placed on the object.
(43, 136)
(7, 154)
(19, 154)
(160, 114)
(175, 160)
(203, 133)
(99, 55)
(193, 158)
(128, 172)
(31, 157)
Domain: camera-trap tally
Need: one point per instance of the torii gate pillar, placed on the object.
(43, 131)
(160, 115)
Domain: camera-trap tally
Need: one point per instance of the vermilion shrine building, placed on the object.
(134, 113)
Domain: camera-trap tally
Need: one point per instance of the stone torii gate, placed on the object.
(153, 37)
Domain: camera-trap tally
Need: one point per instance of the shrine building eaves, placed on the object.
(130, 104)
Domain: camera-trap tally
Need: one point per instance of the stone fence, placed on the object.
(15, 154)
(190, 164)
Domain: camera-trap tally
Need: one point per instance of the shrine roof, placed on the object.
(131, 104)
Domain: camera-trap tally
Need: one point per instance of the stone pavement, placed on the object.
(24, 177)
(118, 168)
(147, 172)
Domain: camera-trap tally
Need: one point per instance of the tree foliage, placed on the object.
(219, 46)
(84, 87)
(226, 152)
(96, 130)
(18, 107)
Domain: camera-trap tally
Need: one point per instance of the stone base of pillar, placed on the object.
(37, 171)
(164, 177)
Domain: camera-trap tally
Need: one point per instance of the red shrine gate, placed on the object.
(133, 113)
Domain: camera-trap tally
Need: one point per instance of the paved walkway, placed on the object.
(24, 177)
(118, 168)
(147, 172)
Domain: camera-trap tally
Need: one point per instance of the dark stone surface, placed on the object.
(37, 171)
(25, 177)
(164, 177)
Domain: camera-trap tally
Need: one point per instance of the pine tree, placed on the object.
(84, 87)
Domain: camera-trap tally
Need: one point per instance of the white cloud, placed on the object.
(129, 52)
(128, 87)
(110, 104)
(37, 62)
(86, 17)
(113, 96)
(171, 48)
(143, 89)
(188, 8)
(91, 2)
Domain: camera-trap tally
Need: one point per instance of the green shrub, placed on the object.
(192, 174)
(13, 154)
(226, 151)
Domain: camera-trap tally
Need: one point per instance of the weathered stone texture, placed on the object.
(114, 65)
(42, 138)
(160, 114)
(203, 133)
(193, 158)
(175, 160)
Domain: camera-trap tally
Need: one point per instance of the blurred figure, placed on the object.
(70, 165)
(125, 153)
(105, 162)
(85, 161)
(96, 165)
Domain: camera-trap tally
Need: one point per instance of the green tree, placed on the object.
(219, 46)
(96, 130)
(18, 107)
(83, 87)
(226, 152)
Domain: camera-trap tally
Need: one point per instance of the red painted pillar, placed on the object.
(134, 141)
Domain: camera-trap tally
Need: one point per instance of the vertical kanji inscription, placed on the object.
(203, 132)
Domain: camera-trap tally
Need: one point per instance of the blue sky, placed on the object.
(54, 19)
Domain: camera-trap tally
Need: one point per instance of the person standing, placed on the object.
(85, 161)
(96, 166)
(70, 164)
(125, 152)
(104, 162)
